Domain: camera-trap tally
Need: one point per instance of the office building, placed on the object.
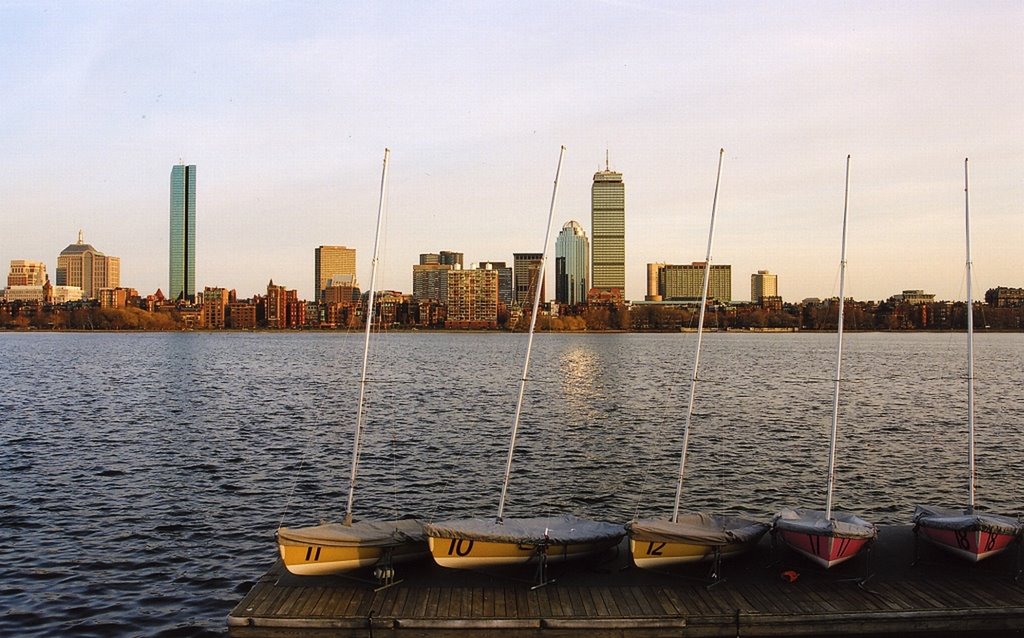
(46, 293)
(472, 298)
(763, 284)
(82, 266)
(182, 271)
(505, 287)
(525, 267)
(333, 265)
(241, 316)
(430, 281)
(653, 286)
(686, 282)
(1004, 297)
(608, 227)
(116, 297)
(913, 297)
(444, 258)
(33, 294)
(572, 265)
(26, 273)
(215, 306)
(282, 308)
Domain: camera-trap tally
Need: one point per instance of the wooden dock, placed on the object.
(940, 595)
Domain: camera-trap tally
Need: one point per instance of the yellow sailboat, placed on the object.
(489, 542)
(336, 548)
(697, 536)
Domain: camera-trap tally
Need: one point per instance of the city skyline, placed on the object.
(287, 110)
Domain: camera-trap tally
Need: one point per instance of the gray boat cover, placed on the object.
(959, 519)
(560, 530)
(359, 533)
(699, 528)
(808, 521)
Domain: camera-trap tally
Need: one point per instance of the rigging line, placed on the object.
(643, 488)
(312, 434)
(394, 467)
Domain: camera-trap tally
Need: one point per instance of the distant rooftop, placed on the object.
(80, 247)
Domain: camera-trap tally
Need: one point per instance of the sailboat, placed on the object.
(336, 548)
(475, 543)
(696, 536)
(828, 537)
(965, 532)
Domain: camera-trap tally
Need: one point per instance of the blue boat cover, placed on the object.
(808, 521)
(959, 519)
(559, 530)
(699, 528)
(358, 534)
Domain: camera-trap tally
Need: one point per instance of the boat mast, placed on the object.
(839, 354)
(537, 285)
(970, 353)
(700, 335)
(366, 345)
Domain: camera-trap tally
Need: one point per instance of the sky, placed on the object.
(286, 108)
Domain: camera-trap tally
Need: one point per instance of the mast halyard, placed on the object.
(538, 284)
(700, 334)
(839, 354)
(970, 352)
(366, 346)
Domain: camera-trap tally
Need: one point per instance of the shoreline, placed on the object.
(477, 332)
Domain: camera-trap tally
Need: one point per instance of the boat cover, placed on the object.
(841, 525)
(560, 530)
(359, 533)
(699, 528)
(959, 519)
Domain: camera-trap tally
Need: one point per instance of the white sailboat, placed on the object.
(966, 532)
(693, 537)
(488, 542)
(828, 537)
(336, 548)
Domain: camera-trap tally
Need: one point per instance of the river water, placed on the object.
(142, 476)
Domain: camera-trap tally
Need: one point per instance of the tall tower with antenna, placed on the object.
(608, 230)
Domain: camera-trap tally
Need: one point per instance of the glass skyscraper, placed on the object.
(608, 225)
(183, 233)
(572, 265)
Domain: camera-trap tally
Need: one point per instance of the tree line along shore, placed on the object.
(812, 316)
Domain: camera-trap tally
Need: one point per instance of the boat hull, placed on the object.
(327, 560)
(692, 538)
(477, 543)
(469, 553)
(971, 535)
(825, 540)
(824, 549)
(334, 548)
(974, 545)
(649, 554)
